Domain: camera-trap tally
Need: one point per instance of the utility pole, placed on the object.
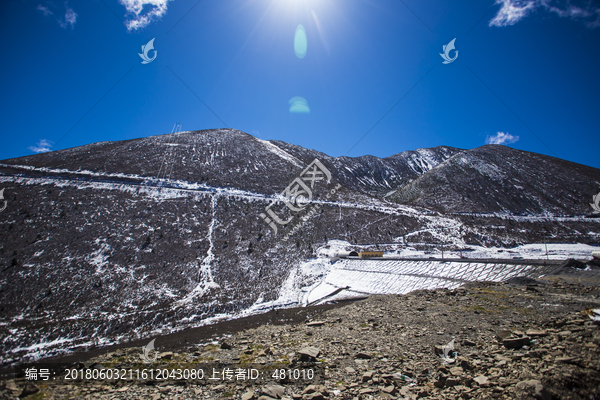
(546, 244)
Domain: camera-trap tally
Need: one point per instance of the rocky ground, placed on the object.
(518, 340)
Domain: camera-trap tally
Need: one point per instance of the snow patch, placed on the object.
(281, 153)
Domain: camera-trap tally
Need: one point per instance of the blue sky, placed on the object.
(525, 74)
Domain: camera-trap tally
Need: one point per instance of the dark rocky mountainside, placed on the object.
(487, 179)
(373, 175)
(115, 241)
(495, 178)
(231, 158)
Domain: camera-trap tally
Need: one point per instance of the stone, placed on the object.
(313, 396)
(481, 380)
(534, 387)
(29, 389)
(273, 390)
(536, 333)
(315, 389)
(363, 356)
(308, 353)
(391, 389)
(12, 386)
(456, 371)
(452, 381)
(505, 382)
(367, 376)
(248, 395)
(315, 323)
(350, 370)
(466, 364)
(167, 355)
(501, 335)
(516, 343)
(226, 346)
(567, 360)
(468, 342)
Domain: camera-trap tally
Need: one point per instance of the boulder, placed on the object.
(516, 343)
(29, 389)
(481, 380)
(315, 389)
(308, 353)
(536, 333)
(248, 395)
(534, 387)
(273, 390)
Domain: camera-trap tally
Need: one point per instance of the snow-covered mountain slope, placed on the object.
(373, 175)
(128, 239)
(220, 158)
(231, 158)
(498, 179)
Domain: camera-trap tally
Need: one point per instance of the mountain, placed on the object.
(496, 178)
(114, 241)
(231, 158)
(372, 175)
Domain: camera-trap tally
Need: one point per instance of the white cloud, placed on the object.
(42, 146)
(45, 10)
(512, 11)
(589, 12)
(69, 20)
(501, 138)
(154, 9)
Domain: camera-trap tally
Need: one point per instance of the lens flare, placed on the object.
(300, 42)
(299, 105)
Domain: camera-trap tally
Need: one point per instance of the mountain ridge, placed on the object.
(523, 182)
(125, 240)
